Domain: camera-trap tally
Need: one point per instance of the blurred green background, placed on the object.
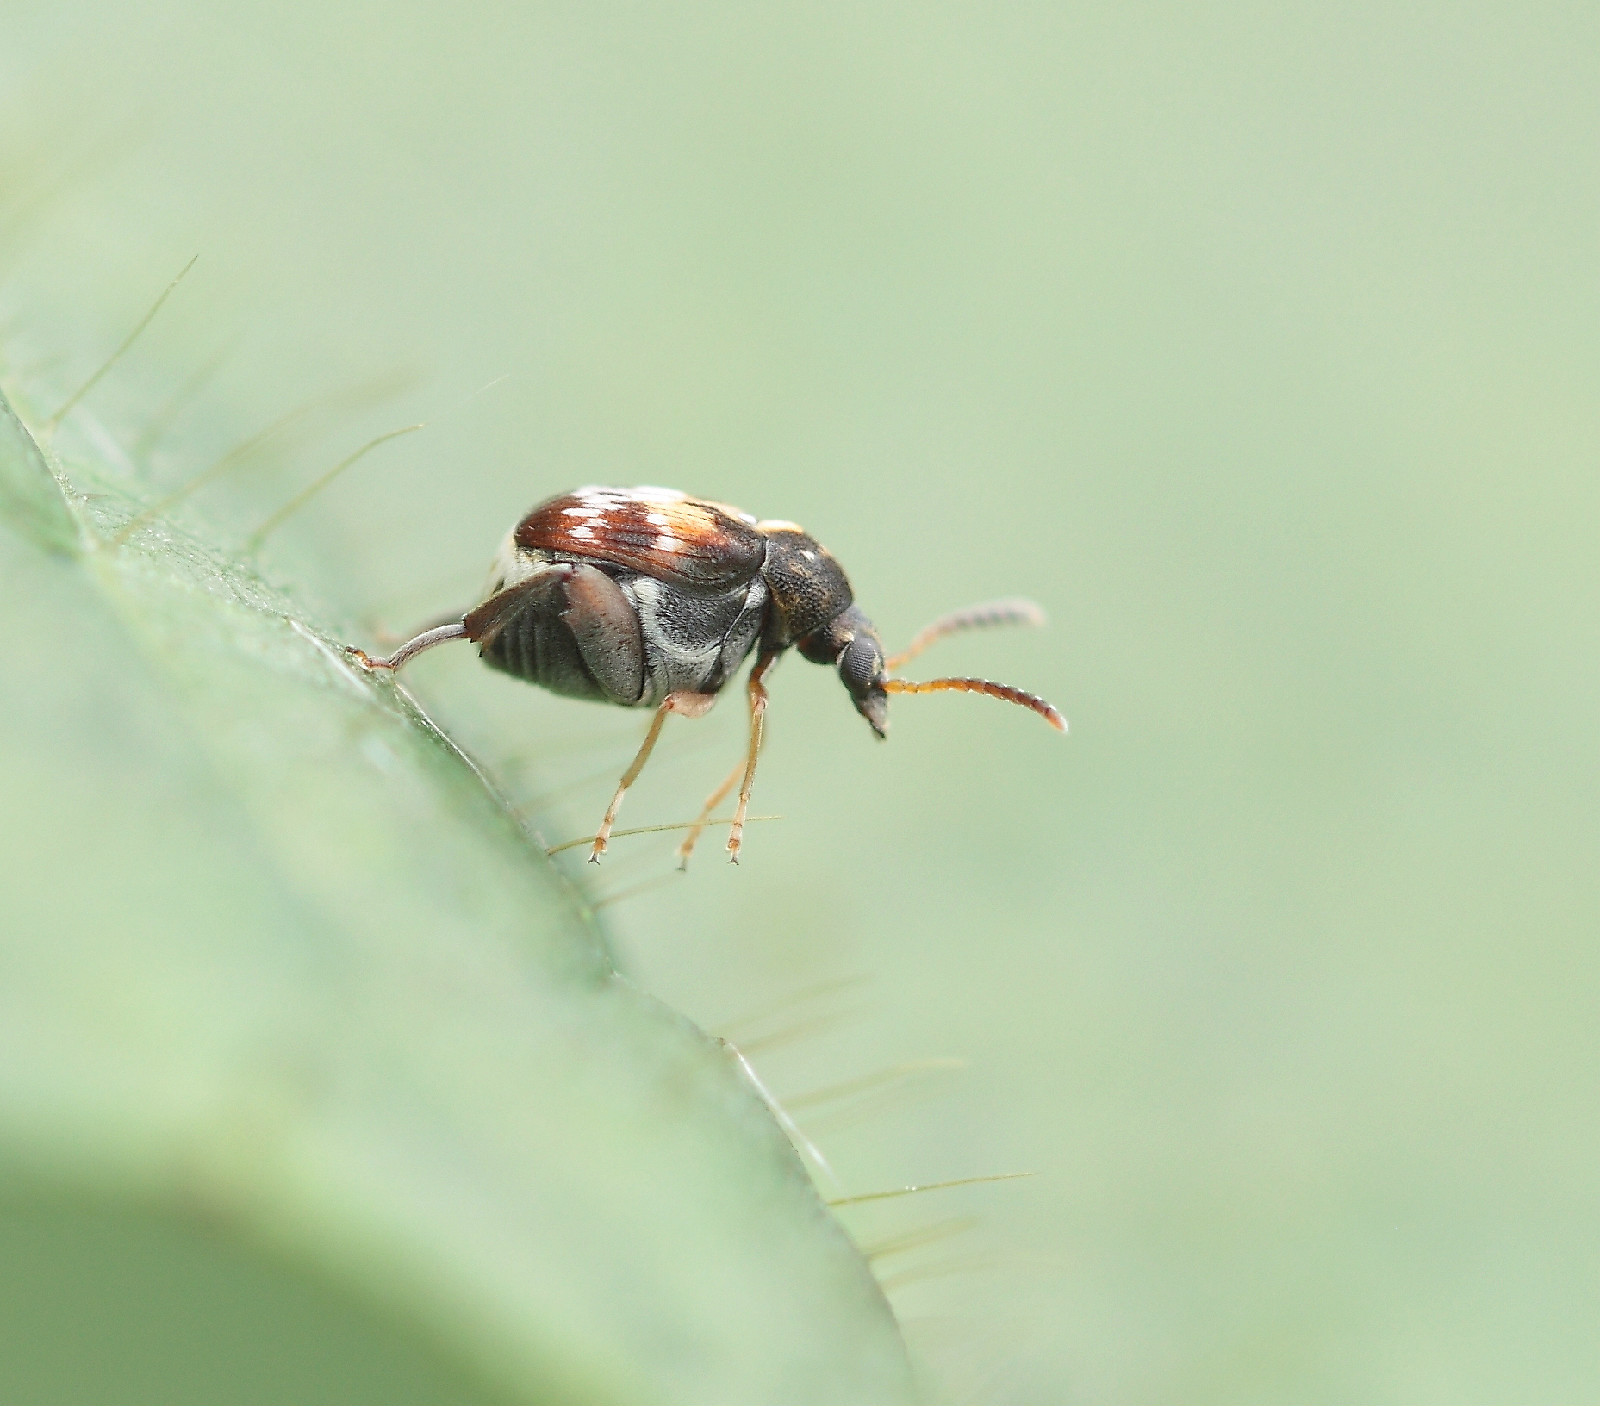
(1258, 343)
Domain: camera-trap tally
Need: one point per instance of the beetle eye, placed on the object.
(859, 664)
(861, 668)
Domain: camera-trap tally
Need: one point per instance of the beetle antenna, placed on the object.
(1014, 611)
(994, 690)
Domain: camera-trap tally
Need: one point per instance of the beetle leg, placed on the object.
(706, 811)
(606, 627)
(691, 705)
(441, 634)
(758, 709)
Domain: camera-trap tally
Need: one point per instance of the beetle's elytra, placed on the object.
(648, 598)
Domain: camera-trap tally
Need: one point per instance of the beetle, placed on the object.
(649, 598)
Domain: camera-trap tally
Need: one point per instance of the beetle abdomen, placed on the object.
(524, 630)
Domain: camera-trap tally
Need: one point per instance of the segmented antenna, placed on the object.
(1015, 611)
(994, 690)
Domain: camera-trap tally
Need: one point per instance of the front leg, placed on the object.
(758, 710)
(691, 705)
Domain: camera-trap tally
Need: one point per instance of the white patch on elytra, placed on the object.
(645, 493)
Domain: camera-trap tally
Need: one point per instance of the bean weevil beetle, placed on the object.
(648, 598)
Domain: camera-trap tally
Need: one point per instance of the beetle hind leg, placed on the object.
(605, 627)
(691, 705)
(440, 634)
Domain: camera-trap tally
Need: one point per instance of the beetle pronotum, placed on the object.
(648, 598)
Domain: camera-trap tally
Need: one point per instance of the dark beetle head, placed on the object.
(850, 643)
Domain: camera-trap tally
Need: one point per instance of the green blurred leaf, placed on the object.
(278, 967)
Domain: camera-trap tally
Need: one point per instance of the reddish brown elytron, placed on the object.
(689, 542)
(647, 598)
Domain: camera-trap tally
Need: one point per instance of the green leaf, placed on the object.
(291, 1004)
